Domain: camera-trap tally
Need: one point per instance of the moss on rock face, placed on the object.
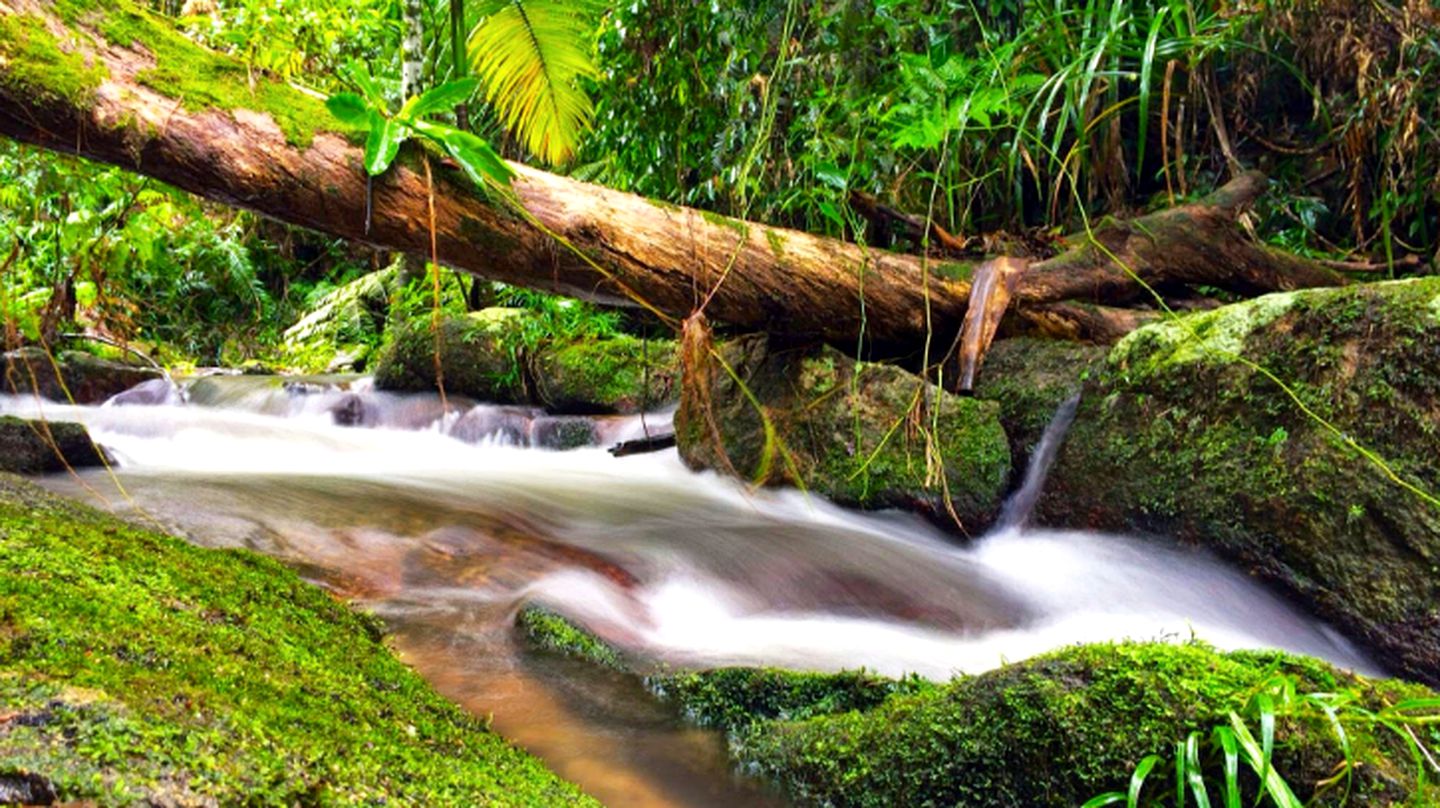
(136, 668)
(1064, 727)
(732, 699)
(34, 447)
(861, 434)
(1029, 378)
(71, 375)
(1181, 434)
(504, 356)
(547, 630)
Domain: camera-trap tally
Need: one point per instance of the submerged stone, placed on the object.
(42, 447)
(1296, 434)
(868, 435)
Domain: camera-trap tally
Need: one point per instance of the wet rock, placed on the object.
(868, 435)
(562, 432)
(620, 374)
(1183, 434)
(25, 788)
(36, 447)
(491, 355)
(504, 425)
(153, 393)
(1029, 378)
(88, 378)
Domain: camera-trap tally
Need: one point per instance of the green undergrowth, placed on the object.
(137, 668)
(199, 78)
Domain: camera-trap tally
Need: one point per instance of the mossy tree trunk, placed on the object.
(116, 84)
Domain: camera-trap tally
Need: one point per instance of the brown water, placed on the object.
(444, 532)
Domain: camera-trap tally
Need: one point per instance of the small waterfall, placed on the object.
(1022, 502)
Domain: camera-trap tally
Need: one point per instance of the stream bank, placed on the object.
(138, 667)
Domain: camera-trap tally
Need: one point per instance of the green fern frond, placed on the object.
(530, 56)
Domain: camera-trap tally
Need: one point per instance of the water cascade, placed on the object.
(443, 520)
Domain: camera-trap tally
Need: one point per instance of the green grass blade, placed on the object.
(1228, 745)
(1137, 780)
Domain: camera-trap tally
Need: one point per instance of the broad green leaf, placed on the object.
(1101, 800)
(440, 99)
(349, 108)
(386, 135)
(1194, 775)
(475, 156)
(359, 75)
(1228, 745)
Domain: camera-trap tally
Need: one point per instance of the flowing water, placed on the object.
(443, 521)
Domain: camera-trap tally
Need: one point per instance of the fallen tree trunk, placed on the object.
(120, 86)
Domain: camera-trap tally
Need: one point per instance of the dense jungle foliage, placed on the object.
(1007, 123)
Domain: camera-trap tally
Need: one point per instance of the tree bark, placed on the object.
(560, 235)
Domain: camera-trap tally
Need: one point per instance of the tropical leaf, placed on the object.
(531, 56)
(383, 143)
(349, 108)
(440, 99)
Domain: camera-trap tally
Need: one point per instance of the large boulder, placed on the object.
(1054, 730)
(1296, 434)
(1062, 728)
(36, 447)
(507, 356)
(868, 435)
(88, 378)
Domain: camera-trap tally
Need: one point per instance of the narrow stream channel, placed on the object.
(444, 523)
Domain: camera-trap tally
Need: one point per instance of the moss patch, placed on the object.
(733, 699)
(1178, 436)
(1029, 378)
(200, 78)
(1061, 728)
(547, 630)
(34, 61)
(135, 667)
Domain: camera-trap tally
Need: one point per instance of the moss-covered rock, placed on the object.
(544, 629)
(86, 378)
(732, 699)
(507, 356)
(1054, 730)
(1187, 433)
(41, 447)
(339, 333)
(1029, 378)
(869, 435)
(1061, 728)
(137, 668)
(619, 374)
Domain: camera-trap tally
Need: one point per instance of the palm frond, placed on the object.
(530, 56)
